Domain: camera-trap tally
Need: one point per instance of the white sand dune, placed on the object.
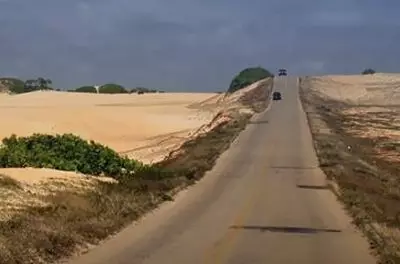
(377, 89)
(122, 122)
(370, 96)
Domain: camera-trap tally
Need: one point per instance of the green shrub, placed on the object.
(13, 84)
(142, 90)
(112, 88)
(368, 71)
(65, 152)
(86, 89)
(247, 77)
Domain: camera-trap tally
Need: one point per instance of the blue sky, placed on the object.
(193, 45)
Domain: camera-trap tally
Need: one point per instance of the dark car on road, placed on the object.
(282, 72)
(276, 96)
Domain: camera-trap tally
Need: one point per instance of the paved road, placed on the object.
(264, 202)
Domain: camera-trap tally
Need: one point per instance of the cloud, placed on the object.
(192, 45)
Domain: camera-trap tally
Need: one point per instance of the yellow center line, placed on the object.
(219, 252)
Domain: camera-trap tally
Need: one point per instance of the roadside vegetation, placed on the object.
(248, 76)
(363, 169)
(63, 152)
(43, 234)
(69, 220)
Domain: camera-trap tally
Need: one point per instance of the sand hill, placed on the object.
(145, 127)
(379, 89)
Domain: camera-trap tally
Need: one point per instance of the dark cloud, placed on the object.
(193, 45)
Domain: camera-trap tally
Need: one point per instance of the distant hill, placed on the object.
(11, 85)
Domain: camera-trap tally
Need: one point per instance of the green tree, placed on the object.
(30, 85)
(247, 77)
(368, 71)
(112, 88)
(86, 89)
(43, 84)
(37, 84)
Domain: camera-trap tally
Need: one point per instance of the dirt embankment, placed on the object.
(50, 214)
(355, 122)
(220, 109)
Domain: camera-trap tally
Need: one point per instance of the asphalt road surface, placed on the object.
(264, 202)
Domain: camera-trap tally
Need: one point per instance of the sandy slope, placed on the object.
(374, 104)
(378, 89)
(145, 127)
(35, 184)
(123, 122)
(214, 107)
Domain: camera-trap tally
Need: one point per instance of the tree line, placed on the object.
(37, 84)
(241, 80)
(18, 86)
(112, 88)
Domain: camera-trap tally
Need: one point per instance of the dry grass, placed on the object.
(7, 182)
(357, 149)
(43, 234)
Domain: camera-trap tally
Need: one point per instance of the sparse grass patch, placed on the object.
(257, 99)
(199, 155)
(45, 234)
(8, 182)
(368, 183)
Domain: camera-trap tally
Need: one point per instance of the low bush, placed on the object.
(143, 90)
(112, 88)
(65, 152)
(86, 89)
(368, 71)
